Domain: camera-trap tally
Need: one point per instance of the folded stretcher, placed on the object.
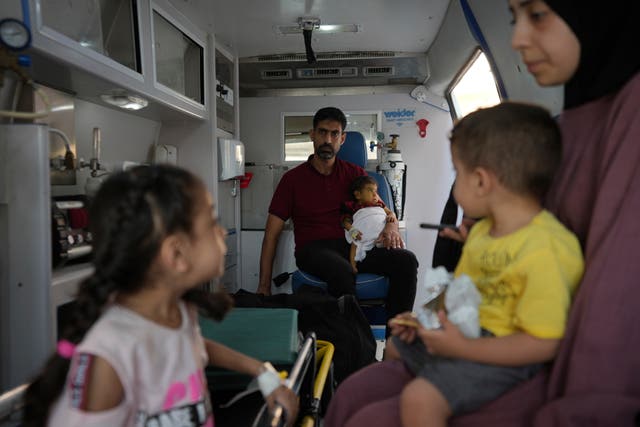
(269, 334)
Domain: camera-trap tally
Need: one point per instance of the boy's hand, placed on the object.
(447, 341)
(405, 326)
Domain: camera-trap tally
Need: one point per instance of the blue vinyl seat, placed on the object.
(371, 289)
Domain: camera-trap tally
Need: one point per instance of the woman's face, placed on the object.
(550, 50)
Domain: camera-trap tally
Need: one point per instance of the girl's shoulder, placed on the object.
(122, 330)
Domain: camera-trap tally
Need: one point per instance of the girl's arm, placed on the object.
(513, 350)
(102, 389)
(224, 357)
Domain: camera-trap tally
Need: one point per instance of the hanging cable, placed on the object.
(311, 57)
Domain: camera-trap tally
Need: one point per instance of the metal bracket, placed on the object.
(309, 23)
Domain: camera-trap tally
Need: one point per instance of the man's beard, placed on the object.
(325, 152)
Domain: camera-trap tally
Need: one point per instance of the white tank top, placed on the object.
(161, 371)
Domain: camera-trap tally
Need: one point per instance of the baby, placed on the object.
(364, 218)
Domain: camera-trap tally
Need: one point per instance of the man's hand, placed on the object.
(390, 236)
(264, 289)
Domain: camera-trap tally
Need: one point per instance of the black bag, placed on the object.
(337, 320)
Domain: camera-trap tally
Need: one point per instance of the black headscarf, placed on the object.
(609, 35)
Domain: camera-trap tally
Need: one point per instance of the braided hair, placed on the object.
(131, 215)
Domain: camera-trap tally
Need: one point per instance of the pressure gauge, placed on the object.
(14, 34)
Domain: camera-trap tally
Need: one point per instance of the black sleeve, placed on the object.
(447, 252)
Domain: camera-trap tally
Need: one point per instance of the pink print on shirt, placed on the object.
(196, 413)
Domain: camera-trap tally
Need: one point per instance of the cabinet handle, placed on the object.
(220, 88)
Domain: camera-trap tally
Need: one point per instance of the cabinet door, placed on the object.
(178, 58)
(109, 27)
(225, 92)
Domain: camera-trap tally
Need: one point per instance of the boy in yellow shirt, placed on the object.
(524, 262)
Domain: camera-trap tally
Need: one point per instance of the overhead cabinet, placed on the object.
(178, 57)
(108, 27)
(225, 92)
(144, 48)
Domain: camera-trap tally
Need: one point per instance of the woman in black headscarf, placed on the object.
(595, 380)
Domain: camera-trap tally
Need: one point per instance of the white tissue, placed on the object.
(461, 301)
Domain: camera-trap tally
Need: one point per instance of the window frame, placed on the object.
(460, 75)
(284, 115)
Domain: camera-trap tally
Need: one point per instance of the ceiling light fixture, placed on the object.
(125, 100)
(312, 23)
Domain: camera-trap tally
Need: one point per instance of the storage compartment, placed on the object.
(109, 27)
(178, 58)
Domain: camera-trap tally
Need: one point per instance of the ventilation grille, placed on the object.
(324, 73)
(276, 74)
(378, 71)
(327, 56)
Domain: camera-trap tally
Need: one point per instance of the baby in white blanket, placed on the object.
(364, 218)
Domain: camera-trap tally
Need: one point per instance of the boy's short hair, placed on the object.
(330, 113)
(359, 183)
(520, 143)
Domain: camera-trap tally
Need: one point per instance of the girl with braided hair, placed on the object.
(133, 353)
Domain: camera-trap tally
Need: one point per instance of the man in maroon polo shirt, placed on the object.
(311, 195)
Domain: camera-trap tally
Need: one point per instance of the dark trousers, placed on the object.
(329, 260)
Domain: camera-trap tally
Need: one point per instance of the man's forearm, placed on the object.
(266, 264)
(272, 232)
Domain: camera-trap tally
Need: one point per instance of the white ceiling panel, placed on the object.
(248, 27)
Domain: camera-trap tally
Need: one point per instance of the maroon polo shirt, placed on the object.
(313, 200)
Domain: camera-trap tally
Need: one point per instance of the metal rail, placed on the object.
(12, 401)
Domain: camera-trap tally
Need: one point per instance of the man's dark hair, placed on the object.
(520, 143)
(330, 113)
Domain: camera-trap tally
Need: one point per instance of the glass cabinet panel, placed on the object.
(178, 59)
(109, 27)
(224, 92)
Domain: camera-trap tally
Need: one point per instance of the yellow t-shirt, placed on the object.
(527, 278)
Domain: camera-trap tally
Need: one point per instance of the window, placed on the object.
(297, 143)
(474, 87)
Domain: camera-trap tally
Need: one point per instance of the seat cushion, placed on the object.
(368, 285)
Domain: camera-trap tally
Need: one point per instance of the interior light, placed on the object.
(325, 29)
(125, 100)
(342, 28)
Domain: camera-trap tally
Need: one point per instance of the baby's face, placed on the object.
(368, 194)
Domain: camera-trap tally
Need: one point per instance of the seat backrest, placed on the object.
(354, 150)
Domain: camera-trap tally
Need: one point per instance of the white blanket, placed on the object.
(370, 222)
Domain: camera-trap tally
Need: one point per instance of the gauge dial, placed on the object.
(14, 34)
